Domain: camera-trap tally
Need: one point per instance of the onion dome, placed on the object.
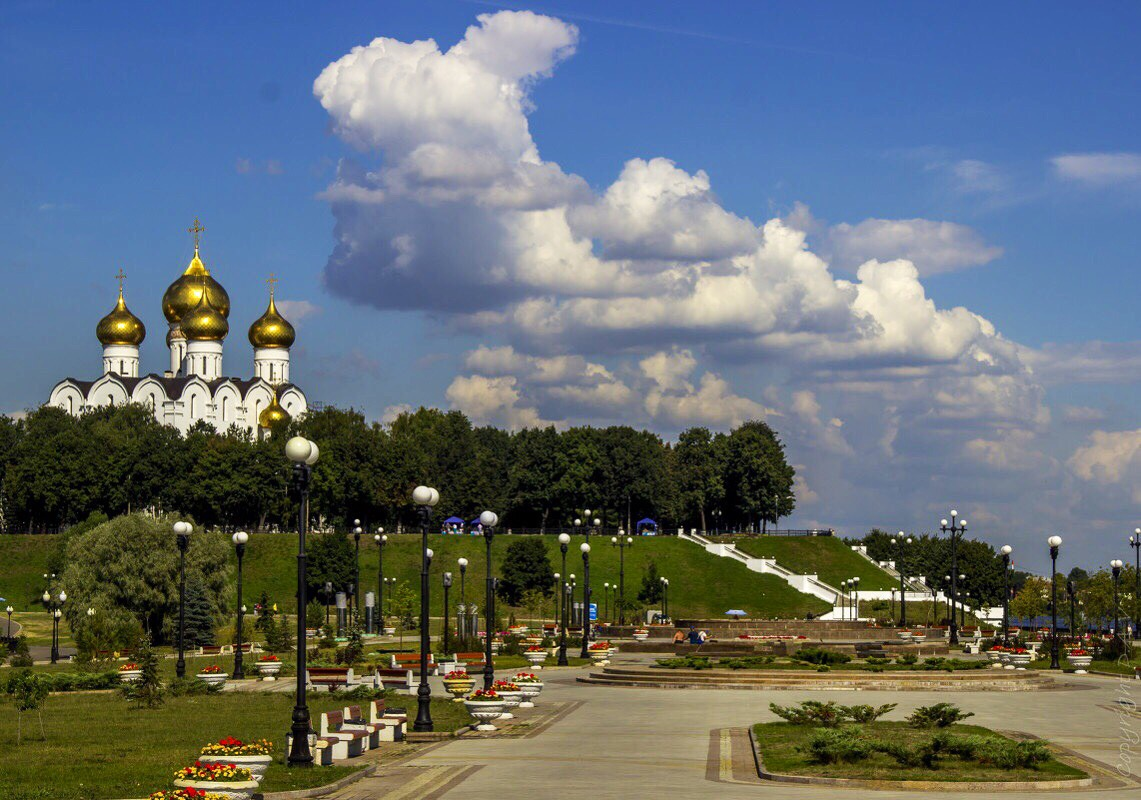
(273, 414)
(271, 329)
(183, 295)
(120, 326)
(204, 323)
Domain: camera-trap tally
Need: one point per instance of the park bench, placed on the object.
(473, 662)
(353, 720)
(395, 720)
(332, 678)
(209, 650)
(394, 679)
(870, 650)
(411, 661)
(348, 743)
(550, 630)
(321, 747)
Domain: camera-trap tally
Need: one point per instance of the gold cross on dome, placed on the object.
(272, 281)
(197, 228)
(120, 275)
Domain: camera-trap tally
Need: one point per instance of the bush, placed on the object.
(182, 687)
(867, 714)
(903, 755)
(20, 655)
(940, 715)
(1006, 754)
(814, 655)
(837, 745)
(811, 712)
(907, 659)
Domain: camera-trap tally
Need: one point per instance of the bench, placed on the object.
(345, 743)
(396, 719)
(474, 662)
(332, 678)
(353, 720)
(550, 630)
(394, 679)
(209, 650)
(412, 661)
(321, 748)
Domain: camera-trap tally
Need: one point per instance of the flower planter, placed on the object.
(530, 691)
(130, 675)
(269, 670)
(212, 678)
(919, 638)
(1020, 660)
(904, 635)
(484, 713)
(1080, 663)
(511, 699)
(257, 765)
(641, 636)
(600, 657)
(535, 657)
(390, 631)
(235, 790)
(457, 688)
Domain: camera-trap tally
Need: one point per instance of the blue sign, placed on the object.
(594, 612)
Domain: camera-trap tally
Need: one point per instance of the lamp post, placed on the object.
(53, 602)
(328, 592)
(381, 540)
(1006, 550)
(182, 538)
(665, 597)
(963, 603)
(357, 531)
(1115, 565)
(447, 610)
(463, 573)
(564, 541)
(1055, 543)
(303, 453)
(585, 548)
(1072, 592)
(240, 538)
(621, 541)
(9, 609)
(488, 520)
(606, 600)
(856, 600)
(955, 528)
(425, 498)
(899, 566)
(1135, 543)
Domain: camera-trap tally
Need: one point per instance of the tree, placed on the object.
(148, 690)
(1032, 600)
(525, 566)
(651, 591)
(199, 628)
(758, 478)
(29, 690)
(331, 559)
(402, 604)
(700, 478)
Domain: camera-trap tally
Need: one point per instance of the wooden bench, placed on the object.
(411, 661)
(347, 743)
(394, 679)
(473, 662)
(550, 630)
(332, 678)
(395, 719)
(210, 650)
(354, 721)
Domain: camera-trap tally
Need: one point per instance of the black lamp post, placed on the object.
(463, 572)
(357, 531)
(963, 603)
(855, 599)
(564, 540)
(240, 538)
(182, 538)
(1135, 543)
(425, 499)
(956, 528)
(621, 541)
(606, 600)
(328, 592)
(488, 520)
(1072, 592)
(447, 611)
(9, 610)
(1115, 565)
(303, 453)
(381, 540)
(665, 597)
(899, 566)
(1006, 550)
(1055, 543)
(585, 548)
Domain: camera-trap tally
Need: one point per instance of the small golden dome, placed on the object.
(120, 326)
(273, 415)
(183, 295)
(271, 329)
(204, 323)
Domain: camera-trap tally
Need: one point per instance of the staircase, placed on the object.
(912, 584)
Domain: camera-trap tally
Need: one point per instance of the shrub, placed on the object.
(811, 712)
(20, 655)
(837, 745)
(814, 655)
(876, 660)
(907, 659)
(903, 755)
(867, 714)
(181, 687)
(939, 715)
(29, 690)
(1006, 754)
(148, 689)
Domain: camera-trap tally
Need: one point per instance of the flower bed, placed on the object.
(484, 696)
(202, 771)
(212, 669)
(129, 667)
(269, 658)
(525, 677)
(187, 794)
(236, 747)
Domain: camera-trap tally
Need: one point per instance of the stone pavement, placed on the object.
(652, 743)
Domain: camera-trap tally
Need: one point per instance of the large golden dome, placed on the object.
(121, 326)
(273, 415)
(271, 329)
(204, 323)
(183, 295)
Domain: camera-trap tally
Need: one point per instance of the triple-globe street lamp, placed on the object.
(488, 520)
(381, 540)
(240, 539)
(621, 541)
(425, 498)
(1055, 543)
(955, 529)
(304, 454)
(182, 531)
(1006, 550)
(564, 543)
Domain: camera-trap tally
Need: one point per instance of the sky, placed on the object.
(905, 237)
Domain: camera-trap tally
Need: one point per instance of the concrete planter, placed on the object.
(510, 700)
(257, 765)
(235, 790)
(457, 688)
(130, 675)
(212, 678)
(535, 657)
(1080, 663)
(530, 692)
(641, 636)
(269, 670)
(600, 657)
(905, 635)
(484, 712)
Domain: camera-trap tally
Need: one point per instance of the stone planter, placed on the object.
(641, 636)
(530, 692)
(1080, 663)
(235, 790)
(457, 688)
(919, 638)
(905, 635)
(390, 631)
(484, 713)
(257, 765)
(212, 678)
(269, 670)
(535, 657)
(510, 700)
(1020, 660)
(600, 657)
(130, 675)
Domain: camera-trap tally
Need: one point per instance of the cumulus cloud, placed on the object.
(934, 247)
(1098, 169)
(1108, 457)
(297, 310)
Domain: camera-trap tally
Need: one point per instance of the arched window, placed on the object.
(193, 406)
(70, 404)
(121, 370)
(226, 408)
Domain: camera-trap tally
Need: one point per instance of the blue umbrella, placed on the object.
(735, 612)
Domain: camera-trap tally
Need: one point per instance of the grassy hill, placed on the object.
(701, 585)
(824, 556)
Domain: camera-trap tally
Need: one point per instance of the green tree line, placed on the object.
(57, 470)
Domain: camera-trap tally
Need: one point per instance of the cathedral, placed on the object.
(194, 388)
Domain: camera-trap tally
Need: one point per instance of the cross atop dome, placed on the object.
(197, 228)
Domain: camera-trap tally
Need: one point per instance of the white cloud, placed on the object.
(492, 400)
(1085, 362)
(934, 247)
(1098, 169)
(1109, 457)
(297, 310)
(1083, 414)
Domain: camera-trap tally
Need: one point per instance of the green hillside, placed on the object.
(824, 556)
(701, 585)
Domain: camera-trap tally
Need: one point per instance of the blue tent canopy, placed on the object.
(475, 522)
(453, 521)
(647, 521)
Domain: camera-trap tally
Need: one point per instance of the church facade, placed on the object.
(194, 388)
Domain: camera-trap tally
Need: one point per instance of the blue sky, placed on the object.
(996, 149)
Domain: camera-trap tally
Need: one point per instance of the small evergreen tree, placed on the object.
(199, 616)
(148, 689)
(525, 566)
(651, 591)
(402, 603)
(265, 611)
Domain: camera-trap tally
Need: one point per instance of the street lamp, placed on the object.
(621, 541)
(488, 520)
(585, 548)
(666, 598)
(182, 532)
(1116, 565)
(963, 603)
(327, 590)
(1055, 542)
(1006, 550)
(1072, 592)
(447, 610)
(463, 572)
(900, 569)
(606, 600)
(1135, 543)
(856, 595)
(9, 609)
(357, 531)
(53, 602)
(956, 528)
(425, 498)
(381, 540)
(240, 538)
(303, 453)
(564, 541)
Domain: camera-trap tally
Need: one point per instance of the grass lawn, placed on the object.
(25, 560)
(37, 626)
(100, 747)
(784, 750)
(824, 556)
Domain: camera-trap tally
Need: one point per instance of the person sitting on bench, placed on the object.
(694, 636)
(679, 637)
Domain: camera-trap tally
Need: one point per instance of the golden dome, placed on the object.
(271, 329)
(120, 326)
(273, 414)
(203, 323)
(183, 295)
